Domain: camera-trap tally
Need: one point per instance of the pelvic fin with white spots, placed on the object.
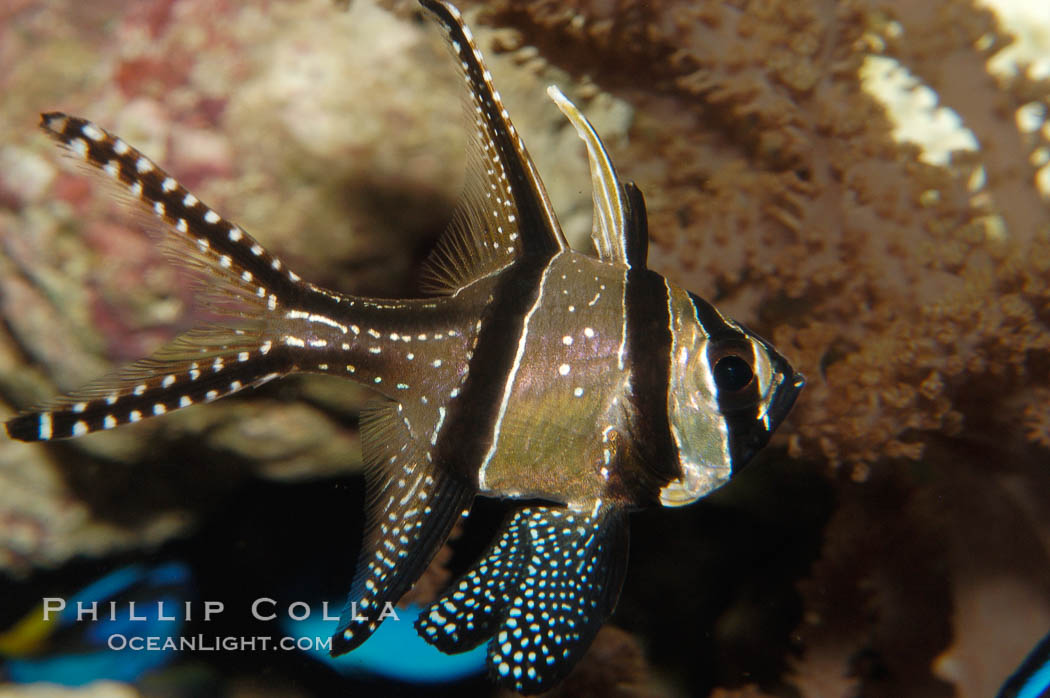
(541, 593)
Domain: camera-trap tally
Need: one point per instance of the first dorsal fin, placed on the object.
(620, 231)
(504, 211)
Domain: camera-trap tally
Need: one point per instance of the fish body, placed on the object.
(586, 382)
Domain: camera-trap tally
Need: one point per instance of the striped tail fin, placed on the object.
(234, 266)
(200, 366)
(239, 279)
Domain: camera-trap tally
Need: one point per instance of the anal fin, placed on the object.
(413, 507)
(541, 593)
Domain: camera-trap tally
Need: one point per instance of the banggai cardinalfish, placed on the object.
(590, 384)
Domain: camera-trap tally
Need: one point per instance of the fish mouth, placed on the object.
(760, 431)
(785, 398)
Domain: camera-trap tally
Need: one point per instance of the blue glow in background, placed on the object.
(395, 651)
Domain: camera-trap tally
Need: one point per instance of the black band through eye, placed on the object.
(732, 373)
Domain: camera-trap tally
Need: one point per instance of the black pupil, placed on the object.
(732, 373)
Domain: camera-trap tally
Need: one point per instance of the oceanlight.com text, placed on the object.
(212, 643)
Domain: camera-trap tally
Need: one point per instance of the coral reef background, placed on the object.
(895, 538)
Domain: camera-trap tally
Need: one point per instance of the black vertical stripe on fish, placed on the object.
(712, 321)
(648, 325)
(740, 410)
(541, 593)
(469, 431)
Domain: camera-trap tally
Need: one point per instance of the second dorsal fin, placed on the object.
(504, 212)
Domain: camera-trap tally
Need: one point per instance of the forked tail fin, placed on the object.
(238, 278)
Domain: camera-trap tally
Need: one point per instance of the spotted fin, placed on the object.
(239, 280)
(504, 211)
(413, 506)
(541, 593)
(472, 610)
(619, 233)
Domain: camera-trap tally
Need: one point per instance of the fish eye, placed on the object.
(732, 373)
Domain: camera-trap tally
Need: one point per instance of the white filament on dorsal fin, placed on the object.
(610, 209)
